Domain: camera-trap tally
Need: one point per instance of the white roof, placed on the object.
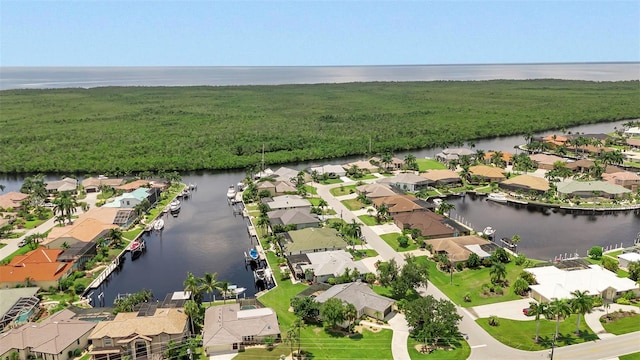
(476, 249)
(288, 202)
(630, 257)
(245, 314)
(333, 263)
(559, 284)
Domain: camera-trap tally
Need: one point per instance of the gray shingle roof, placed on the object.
(359, 294)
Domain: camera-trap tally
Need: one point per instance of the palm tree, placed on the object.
(515, 239)
(581, 303)
(192, 284)
(2, 187)
(538, 309)
(209, 283)
(192, 310)
(559, 309)
(65, 204)
(115, 236)
(479, 156)
(353, 229)
(386, 159)
(350, 314)
(322, 204)
(383, 212)
(497, 272)
(410, 162)
(223, 287)
(445, 207)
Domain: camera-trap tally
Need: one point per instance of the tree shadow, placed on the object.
(356, 336)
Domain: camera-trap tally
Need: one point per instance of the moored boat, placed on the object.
(231, 193)
(497, 197)
(235, 291)
(253, 253)
(175, 205)
(158, 224)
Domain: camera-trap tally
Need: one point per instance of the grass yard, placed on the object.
(623, 325)
(470, 281)
(392, 240)
(314, 201)
(364, 177)
(461, 350)
(310, 190)
(368, 220)
(430, 164)
(353, 204)
(35, 223)
(331, 181)
(520, 334)
(263, 353)
(633, 356)
(21, 251)
(132, 234)
(361, 254)
(343, 190)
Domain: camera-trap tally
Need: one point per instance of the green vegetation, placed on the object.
(429, 164)
(460, 351)
(343, 190)
(633, 356)
(520, 334)
(368, 220)
(228, 125)
(353, 204)
(623, 325)
(392, 240)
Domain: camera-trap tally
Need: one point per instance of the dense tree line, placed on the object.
(131, 129)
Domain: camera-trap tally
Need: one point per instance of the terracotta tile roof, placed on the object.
(39, 265)
(487, 171)
(455, 246)
(546, 159)
(429, 223)
(12, 199)
(168, 321)
(133, 185)
(506, 156)
(529, 182)
(439, 175)
(39, 255)
(398, 203)
(84, 230)
(621, 175)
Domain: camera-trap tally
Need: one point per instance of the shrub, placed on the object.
(623, 301)
(467, 297)
(528, 277)
(610, 264)
(473, 261)
(520, 259)
(486, 262)
(499, 290)
(493, 320)
(403, 241)
(79, 288)
(629, 295)
(459, 266)
(595, 252)
(597, 301)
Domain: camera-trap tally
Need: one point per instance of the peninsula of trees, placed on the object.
(130, 129)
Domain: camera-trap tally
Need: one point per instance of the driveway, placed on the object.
(506, 310)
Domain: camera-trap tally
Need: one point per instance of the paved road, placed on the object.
(483, 345)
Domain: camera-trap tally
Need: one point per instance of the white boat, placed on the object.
(497, 197)
(437, 201)
(234, 290)
(489, 231)
(186, 193)
(158, 224)
(240, 186)
(231, 193)
(175, 205)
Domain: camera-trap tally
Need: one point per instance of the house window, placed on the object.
(108, 341)
(247, 338)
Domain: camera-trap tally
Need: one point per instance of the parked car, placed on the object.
(527, 311)
(22, 243)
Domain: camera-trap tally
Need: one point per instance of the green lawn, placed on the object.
(520, 334)
(624, 325)
(392, 240)
(361, 254)
(132, 234)
(21, 251)
(368, 220)
(331, 181)
(314, 201)
(35, 223)
(343, 190)
(461, 351)
(430, 164)
(470, 281)
(353, 204)
(310, 189)
(263, 353)
(364, 177)
(633, 356)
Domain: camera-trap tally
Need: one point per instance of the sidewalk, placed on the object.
(593, 319)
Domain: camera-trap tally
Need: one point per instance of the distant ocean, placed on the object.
(88, 77)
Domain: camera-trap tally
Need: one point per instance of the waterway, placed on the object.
(207, 237)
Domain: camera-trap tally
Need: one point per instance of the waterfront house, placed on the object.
(54, 338)
(117, 216)
(365, 300)
(38, 267)
(301, 218)
(394, 164)
(627, 258)
(556, 283)
(12, 200)
(228, 328)
(506, 157)
(487, 173)
(632, 131)
(405, 182)
(555, 140)
(362, 165)
(458, 249)
(276, 188)
(442, 177)
(17, 306)
(546, 161)
(332, 171)
(290, 175)
(397, 204)
(430, 224)
(312, 240)
(448, 155)
(288, 202)
(143, 334)
(133, 185)
(591, 189)
(585, 165)
(129, 200)
(330, 264)
(373, 191)
(83, 230)
(526, 183)
(65, 185)
(625, 179)
(93, 184)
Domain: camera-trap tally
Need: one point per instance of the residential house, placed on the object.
(12, 200)
(287, 174)
(526, 183)
(55, 338)
(458, 249)
(300, 218)
(507, 157)
(312, 240)
(139, 334)
(278, 187)
(373, 191)
(288, 202)
(448, 155)
(134, 185)
(65, 185)
(41, 267)
(442, 177)
(487, 173)
(405, 182)
(627, 258)
(331, 264)
(365, 300)
(555, 140)
(362, 165)
(584, 165)
(228, 328)
(592, 189)
(632, 131)
(333, 171)
(130, 200)
(93, 184)
(17, 306)
(83, 230)
(430, 224)
(555, 283)
(107, 215)
(546, 161)
(625, 179)
(397, 204)
(394, 164)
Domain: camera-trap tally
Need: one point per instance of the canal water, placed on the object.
(207, 237)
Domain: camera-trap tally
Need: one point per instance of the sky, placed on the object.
(315, 33)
